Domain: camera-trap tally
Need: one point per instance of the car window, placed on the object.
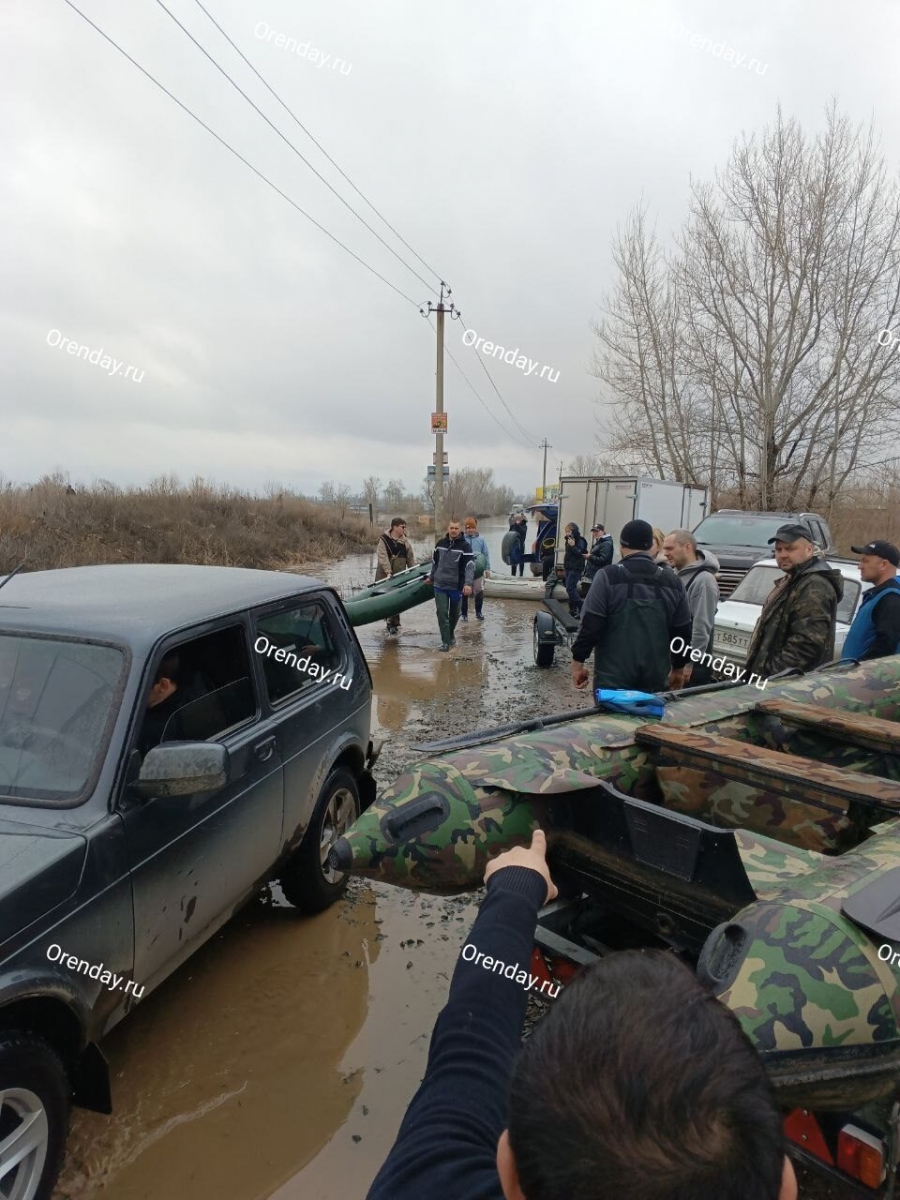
(200, 688)
(847, 606)
(297, 647)
(56, 700)
(733, 529)
(756, 585)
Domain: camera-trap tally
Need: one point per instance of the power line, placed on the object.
(316, 143)
(488, 410)
(237, 155)
(497, 390)
(289, 143)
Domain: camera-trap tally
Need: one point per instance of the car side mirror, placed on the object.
(181, 769)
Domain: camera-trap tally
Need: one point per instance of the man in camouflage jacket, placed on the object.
(797, 622)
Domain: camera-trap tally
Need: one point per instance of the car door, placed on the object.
(194, 858)
(313, 682)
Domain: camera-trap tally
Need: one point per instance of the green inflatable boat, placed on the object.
(395, 595)
(756, 837)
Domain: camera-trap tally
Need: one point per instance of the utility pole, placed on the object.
(438, 423)
(546, 446)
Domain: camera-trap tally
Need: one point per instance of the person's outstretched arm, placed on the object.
(447, 1144)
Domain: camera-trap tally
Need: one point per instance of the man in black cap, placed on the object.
(796, 625)
(875, 631)
(601, 552)
(633, 612)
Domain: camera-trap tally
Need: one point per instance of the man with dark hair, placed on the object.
(637, 1085)
(601, 552)
(633, 612)
(395, 554)
(875, 631)
(798, 618)
(452, 575)
(167, 697)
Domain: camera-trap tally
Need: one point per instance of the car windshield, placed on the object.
(737, 530)
(759, 581)
(55, 702)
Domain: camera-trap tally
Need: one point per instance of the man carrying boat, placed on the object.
(875, 631)
(632, 614)
(452, 575)
(798, 619)
(395, 554)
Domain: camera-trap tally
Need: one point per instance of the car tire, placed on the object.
(307, 881)
(34, 1090)
(543, 651)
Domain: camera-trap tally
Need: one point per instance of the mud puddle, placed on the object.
(279, 1060)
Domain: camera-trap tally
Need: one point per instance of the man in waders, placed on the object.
(395, 554)
(632, 614)
(452, 575)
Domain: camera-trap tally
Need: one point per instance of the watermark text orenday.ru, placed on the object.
(112, 981)
(727, 54)
(517, 360)
(316, 670)
(886, 338)
(319, 57)
(112, 366)
(727, 669)
(513, 971)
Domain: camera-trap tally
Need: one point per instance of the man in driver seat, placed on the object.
(170, 694)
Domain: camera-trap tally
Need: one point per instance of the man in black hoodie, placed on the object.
(797, 622)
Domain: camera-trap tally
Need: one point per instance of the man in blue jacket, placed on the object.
(875, 631)
(637, 1085)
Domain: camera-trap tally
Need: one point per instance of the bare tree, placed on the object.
(372, 490)
(393, 494)
(342, 498)
(327, 493)
(747, 358)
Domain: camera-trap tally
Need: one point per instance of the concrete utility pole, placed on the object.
(546, 446)
(440, 309)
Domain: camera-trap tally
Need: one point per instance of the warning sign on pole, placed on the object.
(438, 422)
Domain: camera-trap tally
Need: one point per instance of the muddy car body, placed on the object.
(118, 859)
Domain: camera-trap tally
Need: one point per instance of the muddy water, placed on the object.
(278, 1061)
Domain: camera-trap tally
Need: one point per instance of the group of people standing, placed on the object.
(638, 609)
(452, 572)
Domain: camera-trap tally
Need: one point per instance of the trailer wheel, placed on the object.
(543, 651)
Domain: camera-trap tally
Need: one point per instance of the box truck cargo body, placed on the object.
(615, 500)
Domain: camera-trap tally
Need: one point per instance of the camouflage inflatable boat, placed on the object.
(758, 837)
(396, 594)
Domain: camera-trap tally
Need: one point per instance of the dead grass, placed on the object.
(47, 526)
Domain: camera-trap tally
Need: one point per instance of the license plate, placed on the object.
(730, 637)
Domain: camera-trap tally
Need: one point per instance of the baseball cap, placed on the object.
(636, 535)
(594, 528)
(790, 533)
(881, 550)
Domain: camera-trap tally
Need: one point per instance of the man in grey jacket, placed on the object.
(452, 575)
(696, 569)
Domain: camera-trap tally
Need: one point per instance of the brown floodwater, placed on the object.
(279, 1060)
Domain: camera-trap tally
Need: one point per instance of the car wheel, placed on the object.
(308, 882)
(543, 651)
(34, 1116)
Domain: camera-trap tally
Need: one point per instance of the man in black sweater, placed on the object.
(637, 1084)
(633, 612)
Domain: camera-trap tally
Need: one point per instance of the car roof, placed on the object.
(137, 603)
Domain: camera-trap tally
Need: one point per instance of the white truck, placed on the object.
(613, 501)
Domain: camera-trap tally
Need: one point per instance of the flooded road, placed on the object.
(279, 1060)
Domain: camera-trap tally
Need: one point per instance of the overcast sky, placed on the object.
(504, 141)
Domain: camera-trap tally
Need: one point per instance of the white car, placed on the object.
(736, 617)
